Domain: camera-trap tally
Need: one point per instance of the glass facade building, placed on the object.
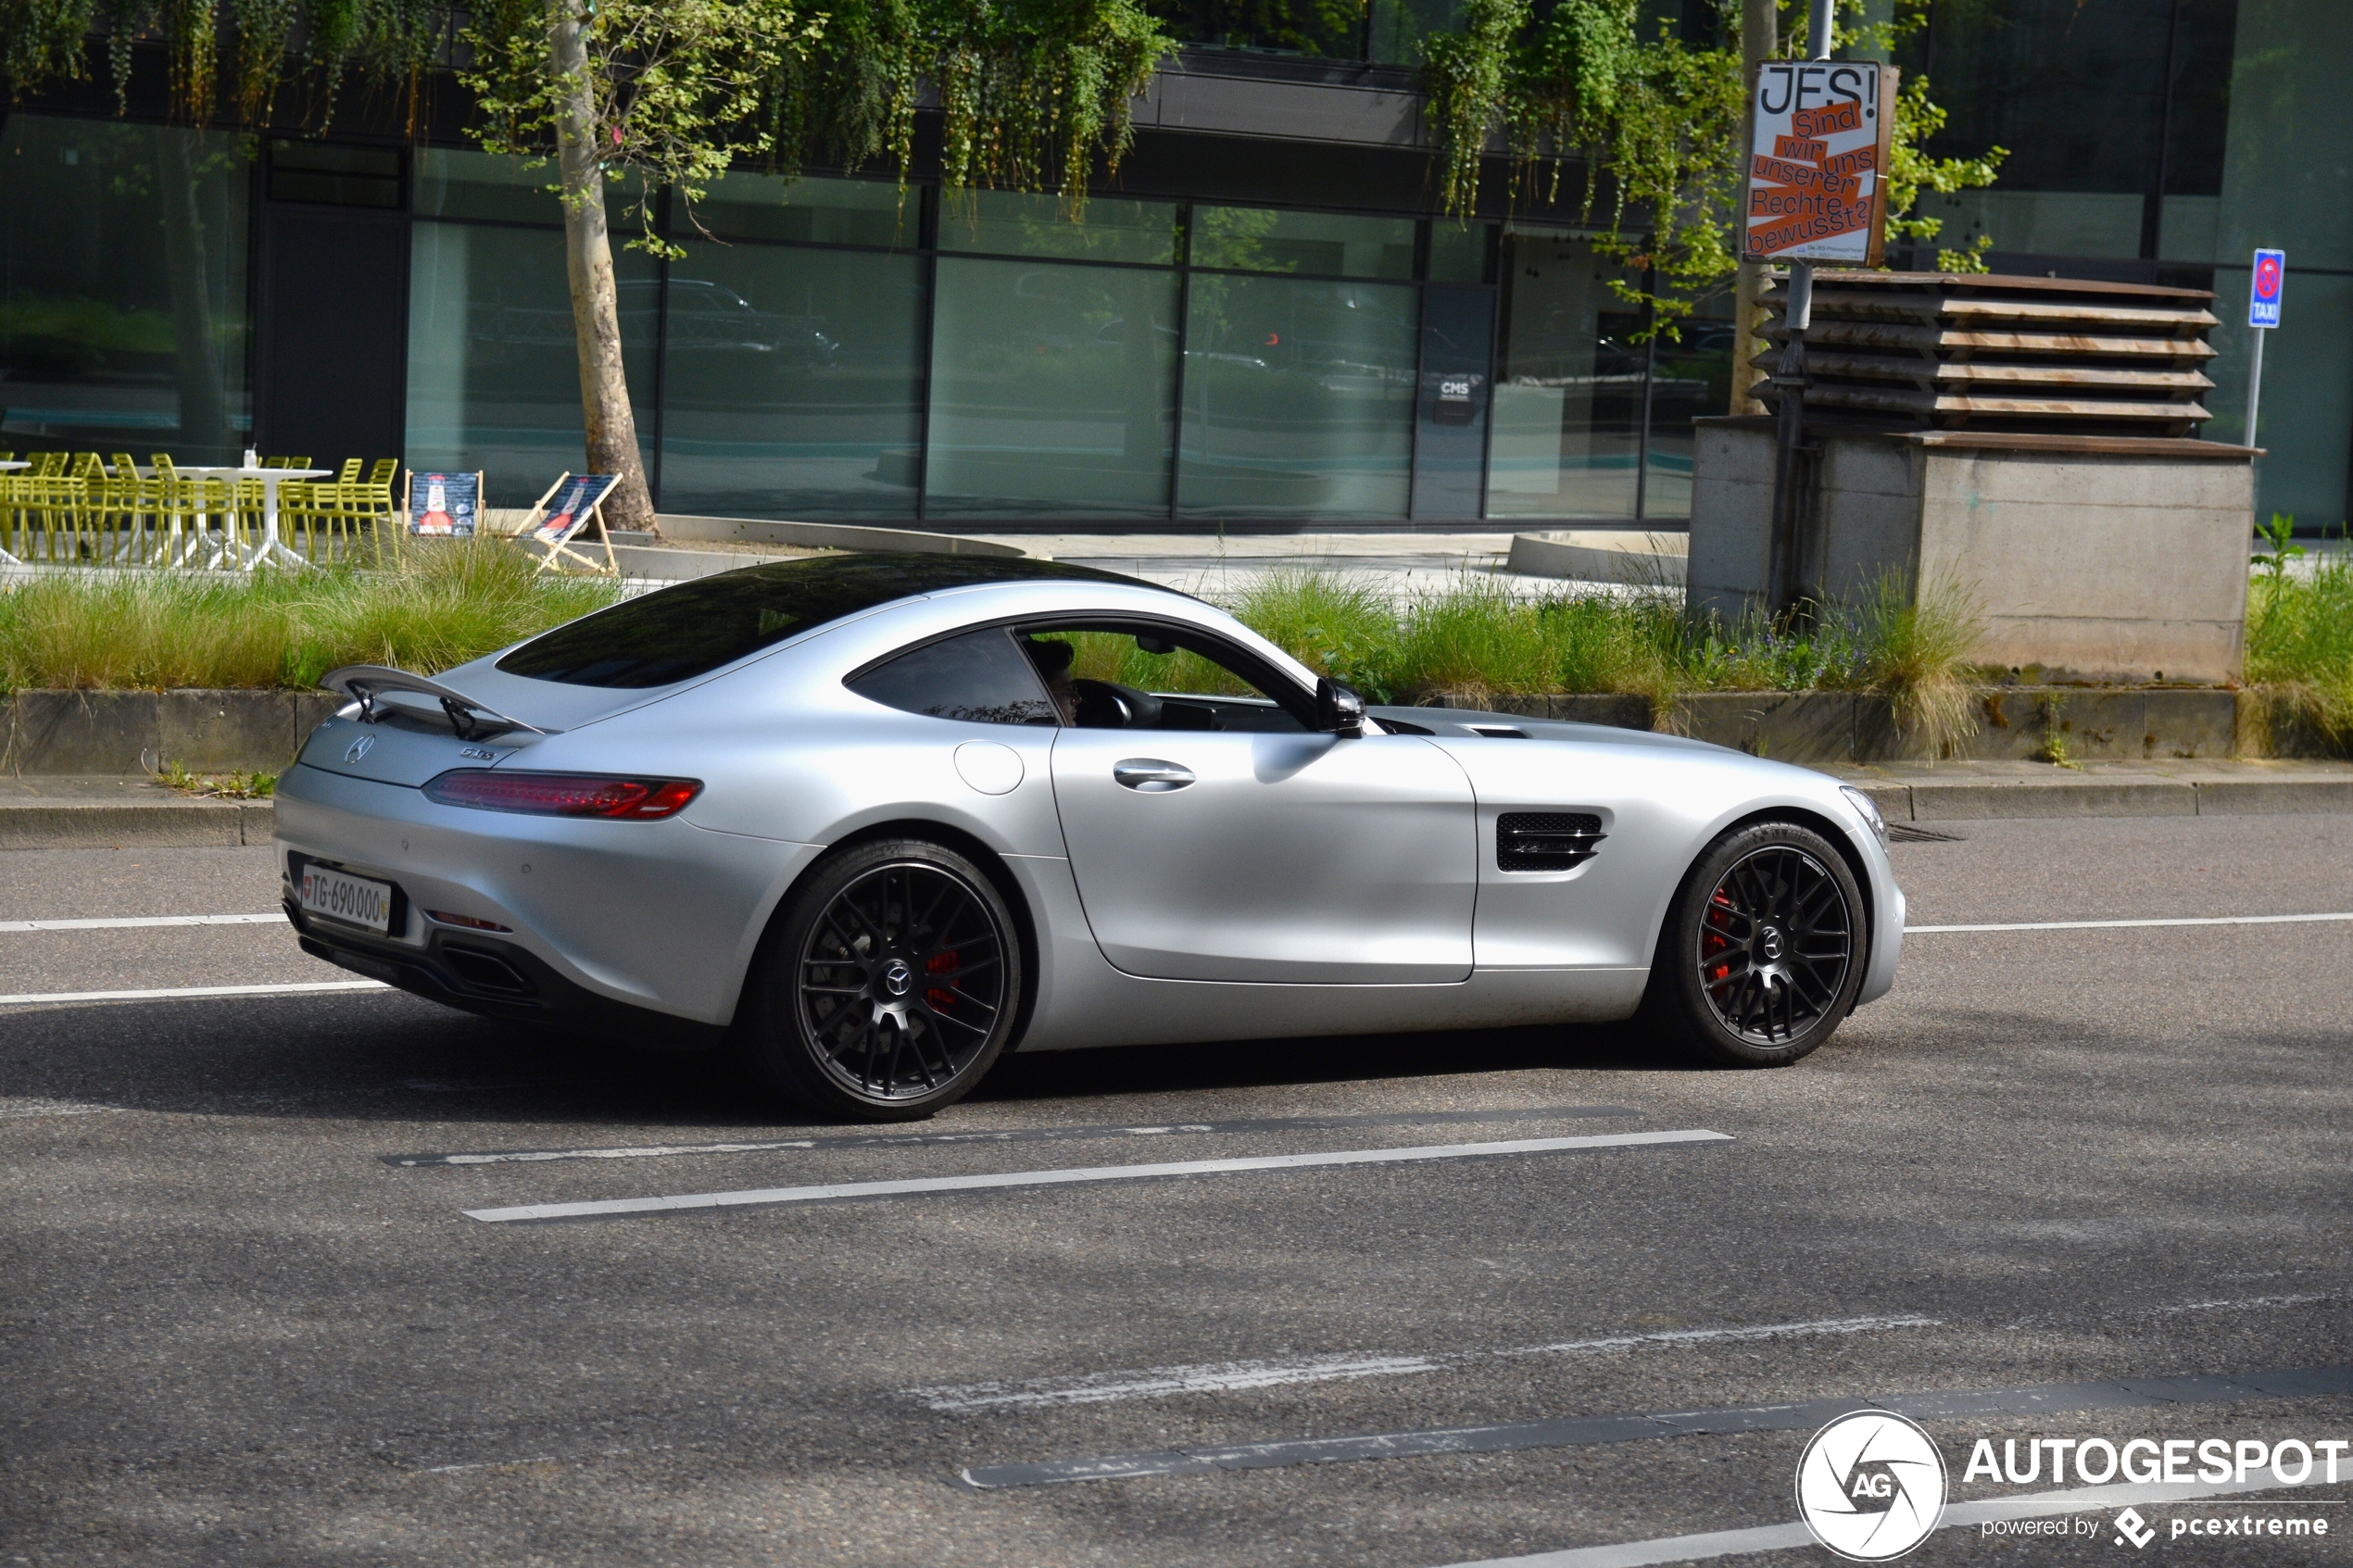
(1265, 323)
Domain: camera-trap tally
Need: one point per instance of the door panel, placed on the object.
(1295, 858)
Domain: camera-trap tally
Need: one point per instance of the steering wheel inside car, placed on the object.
(1107, 705)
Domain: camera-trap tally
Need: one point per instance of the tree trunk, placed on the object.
(605, 412)
(1757, 45)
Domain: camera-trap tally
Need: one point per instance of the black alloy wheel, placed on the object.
(1763, 951)
(892, 986)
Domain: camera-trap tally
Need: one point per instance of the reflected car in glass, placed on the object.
(874, 821)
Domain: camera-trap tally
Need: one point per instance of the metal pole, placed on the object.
(2254, 385)
(1789, 380)
(1650, 371)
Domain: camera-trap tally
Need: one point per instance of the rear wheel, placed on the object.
(1763, 950)
(891, 986)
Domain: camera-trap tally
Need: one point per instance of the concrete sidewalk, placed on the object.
(65, 813)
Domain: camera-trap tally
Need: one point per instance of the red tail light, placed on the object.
(564, 795)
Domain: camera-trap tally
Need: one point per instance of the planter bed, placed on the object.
(126, 734)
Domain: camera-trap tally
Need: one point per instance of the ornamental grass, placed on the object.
(447, 603)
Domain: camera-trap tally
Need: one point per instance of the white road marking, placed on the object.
(1227, 1377)
(2304, 1300)
(10, 1108)
(1081, 1133)
(174, 992)
(128, 922)
(839, 1191)
(1957, 1517)
(2120, 924)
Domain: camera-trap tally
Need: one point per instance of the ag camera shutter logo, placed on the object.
(1870, 1485)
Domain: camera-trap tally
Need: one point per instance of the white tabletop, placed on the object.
(232, 471)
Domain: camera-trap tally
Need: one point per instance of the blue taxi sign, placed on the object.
(2264, 297)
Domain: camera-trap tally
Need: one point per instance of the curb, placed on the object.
(1981, 799)
(122, 824)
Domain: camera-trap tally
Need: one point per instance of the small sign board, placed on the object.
(2263, 293)
(444, 505)
(1816, 176)
(568, 506)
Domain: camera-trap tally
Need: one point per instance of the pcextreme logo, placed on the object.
(1870, 1485)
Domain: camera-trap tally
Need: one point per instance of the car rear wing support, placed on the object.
(469, 719)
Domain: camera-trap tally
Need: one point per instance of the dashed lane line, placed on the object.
(1586, 1431)
(2124, 924)
(1009, 1134)
(839, 1192)
(1232, 1377)
(133, 922)
(176, 993)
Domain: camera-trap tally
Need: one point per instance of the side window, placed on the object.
(980, 677)
(1105, 675)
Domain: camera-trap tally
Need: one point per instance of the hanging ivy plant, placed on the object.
(1031, 92)
(1663, 118)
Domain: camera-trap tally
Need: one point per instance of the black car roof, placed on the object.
(679, 633)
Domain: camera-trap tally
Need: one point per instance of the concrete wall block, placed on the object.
(2036, 558)
(210, 731)
(1785, 726)
(66, 732)
(1627, 710)
(2088, 480)
(2113, 649)
(1872, 468)
(2183, 725)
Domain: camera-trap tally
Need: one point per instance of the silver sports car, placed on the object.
(874, 820)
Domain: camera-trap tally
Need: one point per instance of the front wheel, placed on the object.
(1763, 950)
(891, 985)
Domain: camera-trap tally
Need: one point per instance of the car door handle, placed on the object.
(1150, 775)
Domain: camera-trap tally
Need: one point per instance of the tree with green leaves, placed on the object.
(1657, 123)
(659, 96)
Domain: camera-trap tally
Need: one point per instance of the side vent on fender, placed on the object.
(1545, 841)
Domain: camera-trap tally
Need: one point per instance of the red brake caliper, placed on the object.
(1713, 941)
(941, 999)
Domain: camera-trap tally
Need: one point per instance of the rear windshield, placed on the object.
(681, 633)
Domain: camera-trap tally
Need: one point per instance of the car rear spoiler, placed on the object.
(472, 719)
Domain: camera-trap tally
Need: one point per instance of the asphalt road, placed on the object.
(244, 1317)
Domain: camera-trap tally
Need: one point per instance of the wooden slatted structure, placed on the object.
(1961, 351)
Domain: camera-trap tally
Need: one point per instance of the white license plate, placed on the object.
(339, 896)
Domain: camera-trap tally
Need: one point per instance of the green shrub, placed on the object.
(448, 603)
(2299, 641)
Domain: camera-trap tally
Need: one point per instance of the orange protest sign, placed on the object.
(1817, 185)
(1828, 120)
(1803, 176)
(1862, 160)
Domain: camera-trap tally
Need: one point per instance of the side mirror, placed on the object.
(1338, 711)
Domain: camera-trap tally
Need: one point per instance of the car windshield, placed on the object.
(678, 634)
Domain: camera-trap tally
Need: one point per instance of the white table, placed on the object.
(269, 479)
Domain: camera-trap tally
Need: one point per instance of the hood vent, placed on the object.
(1546, 841)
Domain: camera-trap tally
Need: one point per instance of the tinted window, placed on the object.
(681, 633)
(980, 676)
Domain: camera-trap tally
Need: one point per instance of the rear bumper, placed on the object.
(482, 975)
